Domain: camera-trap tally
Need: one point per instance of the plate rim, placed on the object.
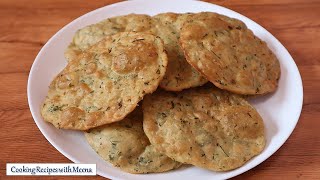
(70, 157)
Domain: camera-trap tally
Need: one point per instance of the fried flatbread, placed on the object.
(106, 82)
(90, 35)
(180, 74)
(125, 146)
(229, 54)
(206, 127)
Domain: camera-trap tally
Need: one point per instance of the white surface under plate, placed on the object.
(280, 110)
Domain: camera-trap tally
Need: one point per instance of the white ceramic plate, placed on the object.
(280, 110)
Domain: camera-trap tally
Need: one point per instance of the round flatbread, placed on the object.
(229, 54)
(206, 127)
(106, 82)
(90, 35)
(180, 74)
(125, 146)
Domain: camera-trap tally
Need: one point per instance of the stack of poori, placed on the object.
(119, 62)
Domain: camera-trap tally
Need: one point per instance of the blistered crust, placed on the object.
(229, 54)
(180, 74)
(105, 82)
(124, 145)
(205, 127)
(90, 35)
